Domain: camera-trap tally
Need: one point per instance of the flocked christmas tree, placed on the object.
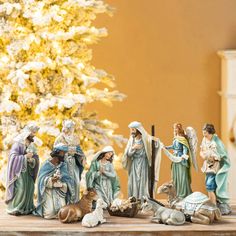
(46, 72)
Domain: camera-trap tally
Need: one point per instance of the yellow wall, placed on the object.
(163, 55)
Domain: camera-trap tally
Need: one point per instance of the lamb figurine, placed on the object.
(96, 217)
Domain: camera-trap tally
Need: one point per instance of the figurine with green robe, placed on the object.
(184, 155)
(102, 176)
(216, 166)
(23, 164)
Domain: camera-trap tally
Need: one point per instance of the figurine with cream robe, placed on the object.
(216, 166)
(184, 155)
(75, 157)
(137, 160)
(103, 177)
(22, 171)
(54, 184)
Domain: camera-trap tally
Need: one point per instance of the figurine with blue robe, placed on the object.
(54, 184)
(216, 166)
(137, 160)
(102, 176)
(22, 171)
(74, 158)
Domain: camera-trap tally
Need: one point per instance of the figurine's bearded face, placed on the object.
(58, 154)
(30, 138)
(69, 130)
(134, 132)
(61, 156)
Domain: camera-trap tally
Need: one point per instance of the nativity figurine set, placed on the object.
(58, 179)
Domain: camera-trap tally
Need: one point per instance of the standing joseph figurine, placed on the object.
(75, 158)
(22, 171)
(137, 160)
(216, 166)
(102, 176)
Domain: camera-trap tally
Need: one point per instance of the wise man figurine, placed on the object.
(23, 164)
(137, 160)
(54, 184)
(74, 158)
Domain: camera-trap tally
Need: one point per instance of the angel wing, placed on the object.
(193, 142)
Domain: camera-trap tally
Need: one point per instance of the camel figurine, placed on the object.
(197, 205)
(162, 214)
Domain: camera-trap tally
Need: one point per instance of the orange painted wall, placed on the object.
(163, 55)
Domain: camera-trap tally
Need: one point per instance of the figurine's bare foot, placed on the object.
(103, 221)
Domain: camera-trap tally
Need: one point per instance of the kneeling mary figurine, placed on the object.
(102, 176)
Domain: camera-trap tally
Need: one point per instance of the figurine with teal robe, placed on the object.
(74, 158)
(102, 176)
(182, 159)
(216, 166)
(22, 171)
(54, 184)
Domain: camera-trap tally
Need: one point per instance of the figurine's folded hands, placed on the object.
(136, 146)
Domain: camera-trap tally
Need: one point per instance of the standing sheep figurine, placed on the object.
(96, 217)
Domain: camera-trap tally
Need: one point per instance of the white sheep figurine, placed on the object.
(96, 217)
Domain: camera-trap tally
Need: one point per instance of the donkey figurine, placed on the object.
(162, 214)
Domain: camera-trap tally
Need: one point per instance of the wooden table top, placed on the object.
(33, 225)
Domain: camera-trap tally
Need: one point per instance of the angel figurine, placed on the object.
(184, 155)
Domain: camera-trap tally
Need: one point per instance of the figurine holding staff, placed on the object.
(137, 160)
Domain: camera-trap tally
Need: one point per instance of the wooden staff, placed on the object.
(152, 175)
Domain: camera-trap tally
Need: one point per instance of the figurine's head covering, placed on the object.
(138, 125)
(56, 151)
(60, 147)
(68, 125)
(145, 137)
(29, 129)
(104, 150)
